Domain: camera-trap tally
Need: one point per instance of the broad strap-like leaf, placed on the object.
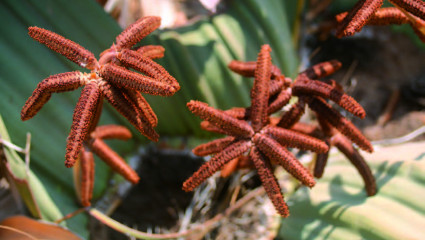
(338, 207)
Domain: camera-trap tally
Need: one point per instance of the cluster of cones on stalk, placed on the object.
(109, 78)
(255, 139)
(371, 12)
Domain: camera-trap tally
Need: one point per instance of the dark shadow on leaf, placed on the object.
(340, 201)
(337, 191)
(385, 173)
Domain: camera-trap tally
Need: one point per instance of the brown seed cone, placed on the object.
(260, 89)
(239, 112)
(415, 7)
(87, 177)
(111, 131)
(141, 106)
(358, 17)
(292, 116)
(326, 128)
(116, 98)
(276, 86)
(418, 26)
(274, 151)
(308, 129)
(113, 160)
(213, 147)
(230, 167)
(346, 147)
(220, 119)
(322, 69)
(83, 115)
(247, 69)
(207, 126)
(303, 86)
(281, 100)
(387, 16)
(216, 163)
(125, 78)
(290, 138)
(152, 51)
(71, 50)
(321, 160)
(96, 116)
(275, 104)
(348, 18)
(269, 181)
(137, 31)
(137, 61)
(242, 162)
(57, 83)
(339, 122)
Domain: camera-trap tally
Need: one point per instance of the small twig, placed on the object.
(317, 8)
(235, 195)
(70, 215)
(314, 53)
(11, 145)
(389, 108)
(187, 216)
(25, 151)
(408, 137)
(349, 74)
(18, 231)
(407, 14)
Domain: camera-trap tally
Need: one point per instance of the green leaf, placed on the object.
(338, 208)
(198, 55)
(29, 186)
